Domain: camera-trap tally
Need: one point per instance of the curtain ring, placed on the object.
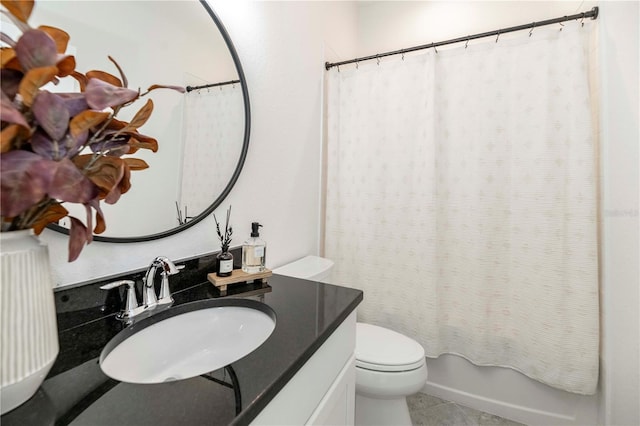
(498, 36)
(533, 25)
(357, 64)
(402, 52)
(434, 47)
(582, 20)
(338, 67)
(467, 43)
(378, 59)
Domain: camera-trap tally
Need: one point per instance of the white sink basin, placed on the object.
(187, 341)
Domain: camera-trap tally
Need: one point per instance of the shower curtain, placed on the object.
(214, 130)
(461, 197)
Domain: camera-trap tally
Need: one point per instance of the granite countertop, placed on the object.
(77, 392)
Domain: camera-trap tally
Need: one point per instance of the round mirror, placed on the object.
(203, 134)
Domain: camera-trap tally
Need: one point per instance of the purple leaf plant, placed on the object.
(61, 148)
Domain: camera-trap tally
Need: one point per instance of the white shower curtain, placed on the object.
(462, 198)
(214, 130)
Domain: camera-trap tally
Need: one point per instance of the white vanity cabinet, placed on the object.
(323, 391)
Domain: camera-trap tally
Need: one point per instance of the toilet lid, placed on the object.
(381, 349)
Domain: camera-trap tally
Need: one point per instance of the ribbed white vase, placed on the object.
(29, 339)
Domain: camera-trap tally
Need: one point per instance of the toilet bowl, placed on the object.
(389, 366)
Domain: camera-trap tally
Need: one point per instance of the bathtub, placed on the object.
(507, 393)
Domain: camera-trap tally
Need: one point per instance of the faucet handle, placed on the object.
(131, 306)
(168, 266)
(165, 292)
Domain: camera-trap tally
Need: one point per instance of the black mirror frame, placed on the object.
(236, 173)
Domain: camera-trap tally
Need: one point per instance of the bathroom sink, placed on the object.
(187, 340)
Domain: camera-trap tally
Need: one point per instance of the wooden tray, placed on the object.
(237, 276)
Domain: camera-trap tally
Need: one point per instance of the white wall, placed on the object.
(620, 135)
(391, 25)
(282, 50)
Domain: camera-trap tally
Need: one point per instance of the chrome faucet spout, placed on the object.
(167, 267)
(149, 299)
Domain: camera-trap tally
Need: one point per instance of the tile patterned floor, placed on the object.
(431, 411)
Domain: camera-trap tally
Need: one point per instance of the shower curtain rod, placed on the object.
(206, 86)
(593, 14)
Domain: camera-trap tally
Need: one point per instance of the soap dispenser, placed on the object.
(254, 251)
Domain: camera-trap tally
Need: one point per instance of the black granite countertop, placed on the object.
(77, 392)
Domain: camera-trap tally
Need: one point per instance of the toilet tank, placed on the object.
(312, 268)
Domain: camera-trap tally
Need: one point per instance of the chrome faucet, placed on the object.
(149, 300)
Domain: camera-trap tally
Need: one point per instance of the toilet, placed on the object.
(389, 366)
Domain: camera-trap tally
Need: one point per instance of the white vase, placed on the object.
(29, 339)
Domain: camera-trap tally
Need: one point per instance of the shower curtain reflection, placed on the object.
(214, 123)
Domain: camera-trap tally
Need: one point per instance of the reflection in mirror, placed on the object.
(201, 134)
(211, 114)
